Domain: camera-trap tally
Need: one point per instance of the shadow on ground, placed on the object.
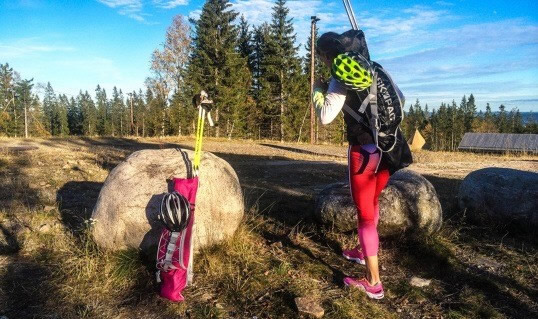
(284, 190)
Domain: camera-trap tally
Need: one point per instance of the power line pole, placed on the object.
(312, 74)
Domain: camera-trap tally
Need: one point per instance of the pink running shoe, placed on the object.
(355, 255)
(374, 292)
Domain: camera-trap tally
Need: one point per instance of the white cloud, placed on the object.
(195, 14)
(29, 46)
(259, 11)
(334, 18)
(444, 3)
(415, 18)
(170, 4)
(134, 9)
(129, 8)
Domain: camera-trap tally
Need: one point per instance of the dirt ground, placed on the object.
(476, 270)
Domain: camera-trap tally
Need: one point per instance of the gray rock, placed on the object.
(501, 194)
(131, 195)
(409, 202)
(419, 282)
(309, 306)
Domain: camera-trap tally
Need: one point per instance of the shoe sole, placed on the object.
(357, 260)
(369, 294)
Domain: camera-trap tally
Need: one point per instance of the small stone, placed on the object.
(66, 166)
(309, 306)
(398, 310)
(45, 228)
(205, 297)
(277, 244)
(219, 306)
(383, 268)
(419, 282)
(485, 262)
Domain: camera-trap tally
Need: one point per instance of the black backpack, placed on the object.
(382, 111)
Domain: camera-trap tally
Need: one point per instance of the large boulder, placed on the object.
(409, 202)
(502, 195)
(131, 195)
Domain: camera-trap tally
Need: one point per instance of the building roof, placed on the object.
(499, 142)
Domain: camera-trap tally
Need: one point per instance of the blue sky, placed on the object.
(435, 50)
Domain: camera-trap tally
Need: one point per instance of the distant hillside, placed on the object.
(529, 117)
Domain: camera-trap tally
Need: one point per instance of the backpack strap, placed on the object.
(374, 121)
(170, 251)
(355, 115)
(366, 101)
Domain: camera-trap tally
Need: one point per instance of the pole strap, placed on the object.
(198, 141)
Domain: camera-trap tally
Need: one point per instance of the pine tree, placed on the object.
(140, 112)
(36, 127)
(103, 125)
(262, 117)
(245, 45)
(61, 125)
(518, 123)
(23, 92)
(290, 84)
(216, 65)
(502, 120)
(74, 114)
(7, 99)
(88, 115)
(117, 112)
(469, 113)
(488, 123)
(49, 106)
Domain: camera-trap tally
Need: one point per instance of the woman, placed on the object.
(367, 176)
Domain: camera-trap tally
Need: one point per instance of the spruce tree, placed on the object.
(290, 84)
(245, 45)
(103, 125)
(262, 87)
(88, 115)
(216, 65)
(74, 114)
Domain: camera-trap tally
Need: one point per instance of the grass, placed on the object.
(51, 268)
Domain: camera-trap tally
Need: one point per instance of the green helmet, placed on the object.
(352, 70)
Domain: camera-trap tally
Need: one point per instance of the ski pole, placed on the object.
(351, 14)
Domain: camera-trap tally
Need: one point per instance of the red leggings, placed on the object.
(366, 184)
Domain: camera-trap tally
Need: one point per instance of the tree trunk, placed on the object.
(132, 119)
(162, 122)
(217, 128)
(281, 106)
(25, 121)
